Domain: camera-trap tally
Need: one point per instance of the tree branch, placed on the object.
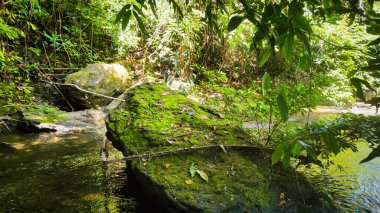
(83, 90)
(183, 150)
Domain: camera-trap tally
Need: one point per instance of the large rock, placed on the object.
(154, 119)
(104, 79)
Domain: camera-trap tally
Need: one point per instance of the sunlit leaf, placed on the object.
(277, 153)
(286, 158)
(297, 147)
(202, 175)
(288, 46)
(265, 57)
(266, 81)
(192, 170)
(189, 182)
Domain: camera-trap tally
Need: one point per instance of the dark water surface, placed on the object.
(60, 173)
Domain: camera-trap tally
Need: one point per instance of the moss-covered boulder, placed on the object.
(228, 173)
(104, 79)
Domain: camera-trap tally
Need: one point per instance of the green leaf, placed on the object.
(288, 46)
(121, 13)
(357, 82)
(296, 148)
(140, 23)
(375, 153)
(331, 141)
(192, 170)
(202, 175)
(286, 159)
(234, 23)
(125, 20)
(374, 42)
(283, 107)
(277, 153)
(305, 62)
(309, 149)
(265, 57)
(359, 89)
(266, 83)
(305, 41)
(139, 11)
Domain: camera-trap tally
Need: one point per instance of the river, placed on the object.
(62, 172)
(52, 172)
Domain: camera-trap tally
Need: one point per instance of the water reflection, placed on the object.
(60, 173)
(355, 187)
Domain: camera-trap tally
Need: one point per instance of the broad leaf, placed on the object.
(330, 140)
(305, 62)
(202, 175)
(125, 20)
(234, 23)
(305, 41)
(265, 57)
(266, 83)
(286, 159)
(140, 23)
(192, 170)
(297, 147)
(309, 149)
(375, 153)
(121, 13)
(359, 89)
(288, 46)
(283, 107)
(277, 153)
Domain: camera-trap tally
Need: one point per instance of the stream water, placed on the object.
(52, 172)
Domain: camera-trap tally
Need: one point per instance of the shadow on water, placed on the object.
(62, 173)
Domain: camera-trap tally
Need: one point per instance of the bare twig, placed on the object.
(83, 90)
(183, 150)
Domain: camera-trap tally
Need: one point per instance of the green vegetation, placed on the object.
(245, 61)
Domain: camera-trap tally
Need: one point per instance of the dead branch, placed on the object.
(183, 150)
(83, 90)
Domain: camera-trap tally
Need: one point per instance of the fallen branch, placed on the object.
(183, 150)
(83, 90)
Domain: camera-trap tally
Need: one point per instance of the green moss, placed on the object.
(233, 181)
(163, 119)
(155, 118)
(42, 113)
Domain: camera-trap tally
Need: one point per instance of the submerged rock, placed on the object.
(105, 79)
(223, 176)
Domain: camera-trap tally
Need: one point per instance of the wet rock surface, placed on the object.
(41, 118)
(155, 119)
